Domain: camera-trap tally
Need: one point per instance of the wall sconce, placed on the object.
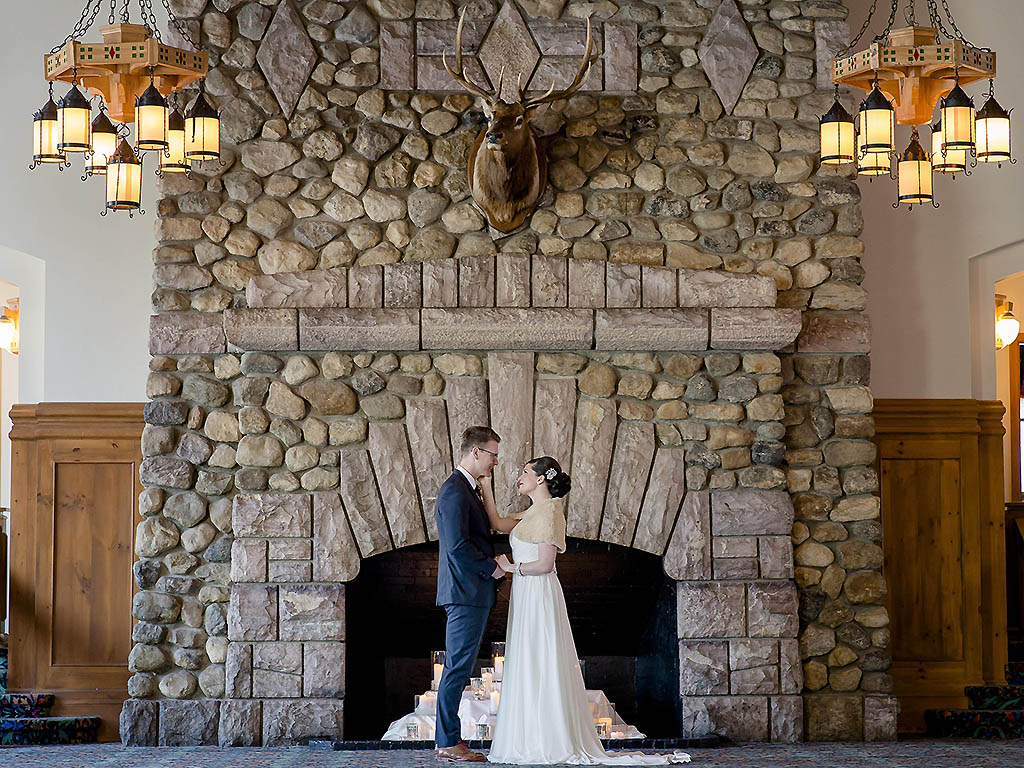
(10, 329)
(1007, 326)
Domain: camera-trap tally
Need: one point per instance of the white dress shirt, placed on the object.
(472, 480)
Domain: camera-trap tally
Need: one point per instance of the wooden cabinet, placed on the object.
(941, 485)
(75, 483)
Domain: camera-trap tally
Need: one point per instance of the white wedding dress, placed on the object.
(543, 715)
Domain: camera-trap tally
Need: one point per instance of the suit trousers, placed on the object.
(463, 634)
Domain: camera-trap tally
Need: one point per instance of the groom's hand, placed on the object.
(499, 572)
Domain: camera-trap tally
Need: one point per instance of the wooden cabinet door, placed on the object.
(73, 522)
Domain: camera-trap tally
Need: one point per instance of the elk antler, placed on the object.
(459, 75)
(577, 82)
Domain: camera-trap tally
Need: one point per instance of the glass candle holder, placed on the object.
(498, 653)
(437, 660)
(412, 731)
(495, 700)
(603, 727)
(426, 704)
(476, 685)
(583, 671)
(483, 731)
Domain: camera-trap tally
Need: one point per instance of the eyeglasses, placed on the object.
(486, 451)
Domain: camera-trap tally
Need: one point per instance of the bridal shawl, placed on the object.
(544, 523)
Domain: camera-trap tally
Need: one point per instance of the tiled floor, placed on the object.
(926, 754)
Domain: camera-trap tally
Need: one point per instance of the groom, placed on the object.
(467, 575)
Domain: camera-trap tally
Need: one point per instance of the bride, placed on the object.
(544, 716)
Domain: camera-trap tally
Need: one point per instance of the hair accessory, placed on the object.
(550, 474)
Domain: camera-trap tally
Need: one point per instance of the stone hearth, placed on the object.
(680, 324)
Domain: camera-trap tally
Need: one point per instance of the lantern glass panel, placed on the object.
(173, 161)
(993, 140)
(75, 129)
(202, 138)
(45, 136)
(837, 143)
(915, 181)
(958, 126)
(151, 127)
(103, 146)
(878, 128)
(950, 161)
(124, 186)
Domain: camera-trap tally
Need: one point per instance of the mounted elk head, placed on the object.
(507, 167)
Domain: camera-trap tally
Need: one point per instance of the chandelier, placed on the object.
(907, 72)
(136, 79)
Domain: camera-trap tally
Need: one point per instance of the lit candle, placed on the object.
(499, 667)
(487, 673)
(495, 700)
(437, 658)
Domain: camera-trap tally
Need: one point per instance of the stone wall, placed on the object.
(330, 310)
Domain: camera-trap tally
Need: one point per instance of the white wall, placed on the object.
(98, 269)
(917, 263)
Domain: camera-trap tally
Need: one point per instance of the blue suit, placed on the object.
(466, 588)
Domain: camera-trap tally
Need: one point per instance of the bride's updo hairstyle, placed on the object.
(558, 481)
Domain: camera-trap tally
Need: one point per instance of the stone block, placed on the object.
(787, 719)
(554, 414)
(620, 60)
(760, 329)
(313, 288)
(323, 670)
(289, 722)
(831, 38)
(834, 717)
(476, 281)
(755, 680)
(659, 287)
(466, 398)
(239, 724)
(276, 670)
(772, 609)
(705, 288)
(396, 480)
(427, 423)
(510, 383)
(167, 471)
(249, 560)
(397, 55)
(623, 285)
(312, 612)
(440, 283)
(880, 718)
(791, 671)
(252, 612)
(688, 557)
(654, 330)
(138, 723)
(286, 572)
(550, 281)
(741, 718)
(703, 668)
(835, 332)
(775, 557)
(586, 283)
(262, 329)
(186, 333)
(238, 671)
(362, 503)
(711, 609)
(631, 466)
(507, 328)
(513, 280)
(366, 286)
(335, 557)
(750, 512)
(271, 515)
(188, 723)
(291, 549)
(591, 461)
(348, 330)
(403, 285)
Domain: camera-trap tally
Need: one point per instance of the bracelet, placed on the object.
(518, 568)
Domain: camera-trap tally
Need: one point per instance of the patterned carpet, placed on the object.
(923, 754)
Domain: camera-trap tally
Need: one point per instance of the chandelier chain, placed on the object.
(113, 10)
(178, 25)
(888, 25)
(910, 14)
(863, 29)
(956, 29)
(124, 12)
(89, 14)
(148, 18)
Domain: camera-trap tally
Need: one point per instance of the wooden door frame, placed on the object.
(1014, 414)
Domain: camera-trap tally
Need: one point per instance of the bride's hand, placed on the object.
(486, 489)
(505, 564)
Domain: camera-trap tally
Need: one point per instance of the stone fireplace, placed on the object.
(680, 324)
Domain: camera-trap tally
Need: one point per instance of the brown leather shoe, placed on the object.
(460, 753)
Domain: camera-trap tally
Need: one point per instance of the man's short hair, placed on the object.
(475, 437)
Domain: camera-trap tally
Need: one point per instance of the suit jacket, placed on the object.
(465, 562)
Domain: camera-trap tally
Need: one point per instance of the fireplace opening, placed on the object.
(621, 606)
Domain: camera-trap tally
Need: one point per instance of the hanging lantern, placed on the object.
(151, 117)
(877, 122)
(46, 135)
(74, 117)
(957, 116)
(871, 163)
(173, 160)
(202, 130)
(949, 160)
(104, 143)
(124, 179)
(993, 133)
(915, 174)
(838, 141)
